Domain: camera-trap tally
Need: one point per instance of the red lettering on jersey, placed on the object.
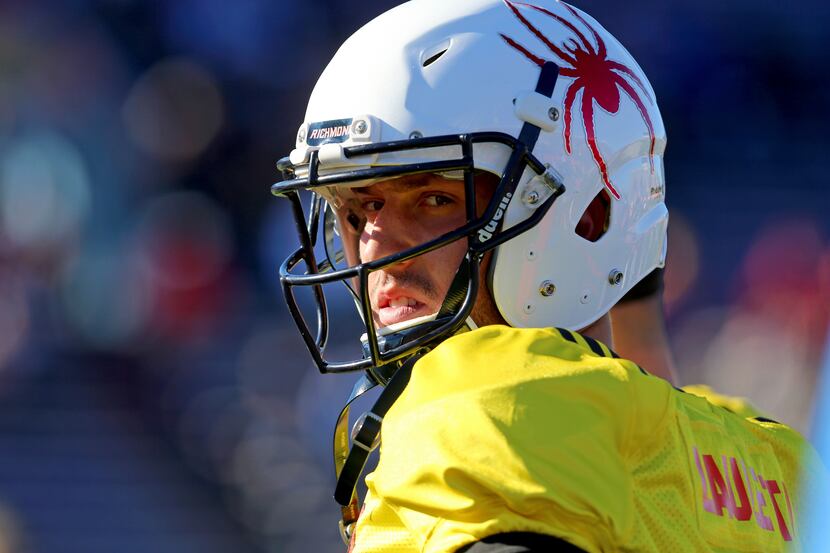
(708, 502)
(744, 510)
(742, 493)
(729, 496)
(789, 507)
(760, 518)
(773, 489)
(717, 486)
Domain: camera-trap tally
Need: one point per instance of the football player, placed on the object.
(486, 179)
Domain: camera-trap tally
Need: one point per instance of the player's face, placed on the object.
(405, 212)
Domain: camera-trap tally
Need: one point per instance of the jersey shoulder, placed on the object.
(544, 369)
(521, 429)
(740, 406)
(503, 356)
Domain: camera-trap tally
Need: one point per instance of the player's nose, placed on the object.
(389, 233)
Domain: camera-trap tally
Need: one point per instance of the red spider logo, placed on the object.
(599, 78)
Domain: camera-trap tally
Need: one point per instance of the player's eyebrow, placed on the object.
(412, 182)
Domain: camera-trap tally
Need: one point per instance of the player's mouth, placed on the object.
(399, 309)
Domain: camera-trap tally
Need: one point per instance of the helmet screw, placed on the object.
(547, 288)
(301, 135)
(415, 134)
(615, 277)
(532, 198)
(360, 126)
(553, 113)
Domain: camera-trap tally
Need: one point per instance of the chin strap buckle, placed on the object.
(349, 516)
(350, 511)
(350, 462)
(366, 431)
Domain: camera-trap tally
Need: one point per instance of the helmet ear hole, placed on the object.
(597, 217)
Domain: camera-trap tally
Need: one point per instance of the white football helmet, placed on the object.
(579, 216)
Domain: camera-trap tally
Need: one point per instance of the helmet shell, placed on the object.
(432, 67)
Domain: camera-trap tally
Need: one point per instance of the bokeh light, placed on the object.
(14, 315)
(784, 279)
(183, 249)
(104, 301)
(175, 110)
(44, 191)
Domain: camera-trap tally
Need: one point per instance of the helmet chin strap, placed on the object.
(349, 463)
(458, 290)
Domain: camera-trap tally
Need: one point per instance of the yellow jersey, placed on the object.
(546, 431)
(738, 405)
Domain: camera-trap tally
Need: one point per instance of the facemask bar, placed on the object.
(380, 351)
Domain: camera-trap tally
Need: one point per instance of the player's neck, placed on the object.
(600, 330)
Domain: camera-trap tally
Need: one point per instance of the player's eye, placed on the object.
(437, 200)
(371, 206)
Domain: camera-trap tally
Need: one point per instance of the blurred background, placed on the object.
(155, 396)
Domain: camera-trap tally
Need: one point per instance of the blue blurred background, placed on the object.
(154, 395)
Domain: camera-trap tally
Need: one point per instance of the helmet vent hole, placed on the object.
(433, 58)
(597, 217)
(433, 53)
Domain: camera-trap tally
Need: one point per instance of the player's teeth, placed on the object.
(402, 302)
